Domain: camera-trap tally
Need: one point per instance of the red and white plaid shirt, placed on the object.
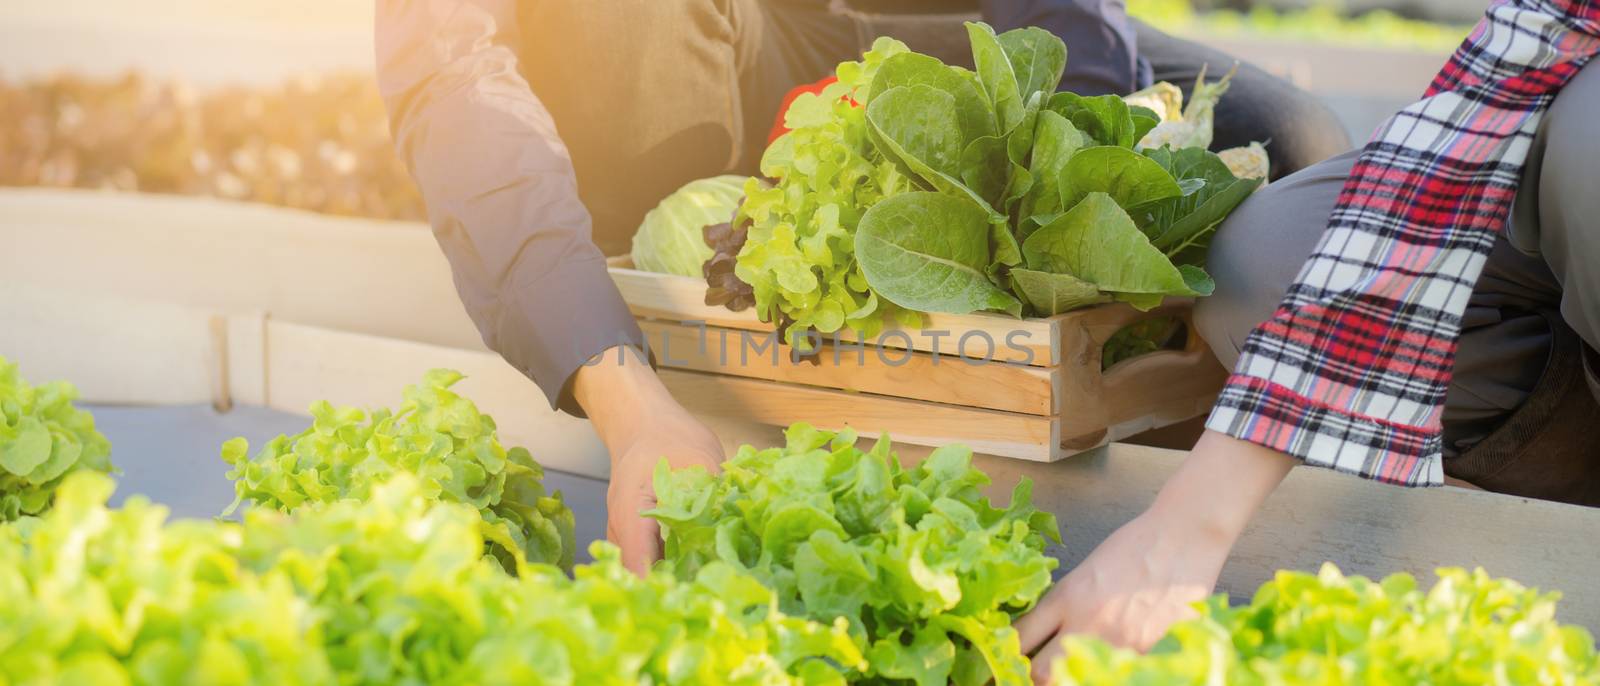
(1350, 372)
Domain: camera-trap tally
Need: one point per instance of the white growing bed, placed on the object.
(184, 303)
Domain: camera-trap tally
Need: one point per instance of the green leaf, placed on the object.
(1050, 294)
(973, 114)
(1197, 280)
(1180, 222)
(927, 661)
(995, 73)
(1007, 250)
(1019, 147)
(1129, 178)
(1097, 242)
(916, 125)
(986, 169)
(1106, 118)
(1038, 59)
(1143, 124)
(1056, 140)
(928, 252)
(28, 447)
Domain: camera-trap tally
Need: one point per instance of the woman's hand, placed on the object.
(1150, 573)
(640, 423)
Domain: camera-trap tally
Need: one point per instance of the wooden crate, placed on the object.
(1040, 394)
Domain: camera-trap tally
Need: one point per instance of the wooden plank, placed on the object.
(115, 350)
(895, 373)
(998, 433)
(247, 359)
(680, 298)
(1159, 389)
(376, 277)
(306, 364)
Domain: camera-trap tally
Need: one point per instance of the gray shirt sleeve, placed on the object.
(500, 188)
(1102, 51)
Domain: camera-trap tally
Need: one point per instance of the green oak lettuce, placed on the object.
(799, 255)
(925, 570)
(1327, 628)
(43, 438)
(437, 435)
(394, 589)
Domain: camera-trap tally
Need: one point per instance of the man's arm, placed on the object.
(503, 201)
(1102, 50)
(499, 186)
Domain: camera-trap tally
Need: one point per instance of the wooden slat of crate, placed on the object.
(942, 378)
(1008, 434)
(1083, 406)
(679, 298)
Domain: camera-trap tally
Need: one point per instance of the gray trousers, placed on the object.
(1541, 278)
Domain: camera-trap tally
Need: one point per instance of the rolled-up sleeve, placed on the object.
(500, 188)
(1103, 52)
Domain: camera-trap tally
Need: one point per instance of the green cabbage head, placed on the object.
(670, 240)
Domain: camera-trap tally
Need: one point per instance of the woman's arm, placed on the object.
(1149, 573)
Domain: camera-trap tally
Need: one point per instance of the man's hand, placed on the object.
(640, 423)
(1149, 573)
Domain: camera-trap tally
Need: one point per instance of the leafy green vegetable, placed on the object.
(1129, 178)
(670, 240)
(927, 573)
(1051, 294)
(1178, 223)
(968, 167)
(1469, 628)
(394, 589)
(917, 126)
(1038, 59)
(43, 438)
(1097, 241)
(436, 435)
(799, 253)
(999, 81)
(928, 251)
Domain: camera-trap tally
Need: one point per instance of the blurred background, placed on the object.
(273, 101)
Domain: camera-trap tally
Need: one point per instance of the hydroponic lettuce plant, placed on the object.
(1469, 628)
(914, 185)
(436, 435)
(43, 438)
(928, 574)
(392, 590)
